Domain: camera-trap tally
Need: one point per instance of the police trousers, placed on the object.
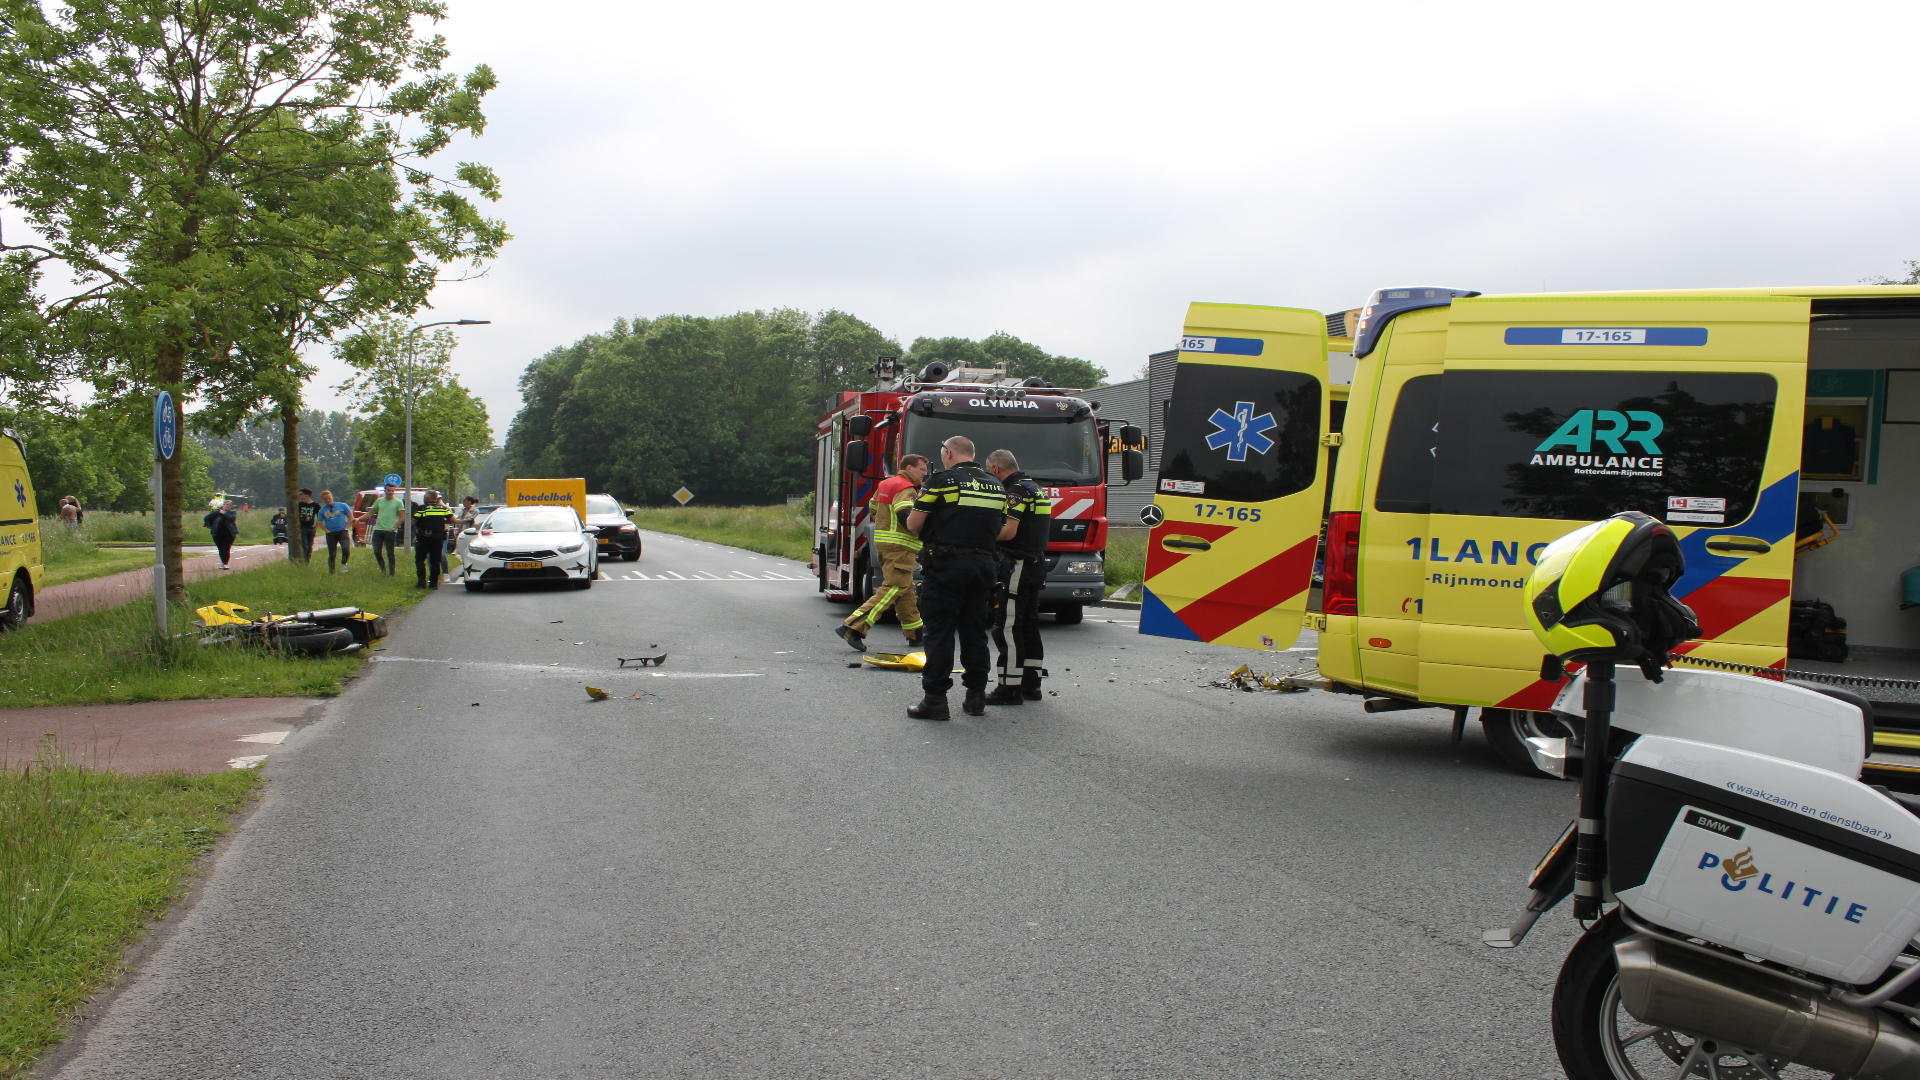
(1016, 623)
(896, 591)
(954, 593)
(429, 558)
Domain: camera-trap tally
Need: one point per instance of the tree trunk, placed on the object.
(172, 369)
(290, 452)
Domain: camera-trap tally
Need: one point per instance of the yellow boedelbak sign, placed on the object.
(571, 494)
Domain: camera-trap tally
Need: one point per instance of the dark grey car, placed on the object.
(618, 537)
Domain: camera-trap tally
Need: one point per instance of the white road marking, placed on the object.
(555, 669)
(677, 576)
(246, 762)
(271, 738)
(707, 576)
(746, 575)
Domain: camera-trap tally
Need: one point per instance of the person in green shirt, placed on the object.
(386, 529)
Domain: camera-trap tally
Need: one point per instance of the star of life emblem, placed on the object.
(1240, 431)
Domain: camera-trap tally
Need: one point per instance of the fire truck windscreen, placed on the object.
(1056, 452)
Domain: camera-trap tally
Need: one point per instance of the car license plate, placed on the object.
(604, 543)
(523, 564)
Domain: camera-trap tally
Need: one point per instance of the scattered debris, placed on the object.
(476, 704)
(643, 661)
(913, 661)
(596, 693)
(1289, 682)
(853, 663)
(556, 622)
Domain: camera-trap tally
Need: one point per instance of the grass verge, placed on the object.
(86, 859)
(770, 530)
(105, 561)
(113, 655)
(1126, 558)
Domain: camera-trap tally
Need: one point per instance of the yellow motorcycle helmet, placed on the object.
(1600, 593)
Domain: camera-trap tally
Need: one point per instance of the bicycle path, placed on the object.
(196, 736)
(112, 590)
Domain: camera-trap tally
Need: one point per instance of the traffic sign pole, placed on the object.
(166, 441)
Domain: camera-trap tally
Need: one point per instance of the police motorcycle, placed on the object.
(1750, 904)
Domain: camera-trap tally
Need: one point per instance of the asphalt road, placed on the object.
(751, 863)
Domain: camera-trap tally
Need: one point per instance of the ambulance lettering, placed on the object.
(1496, 553)
(1738, 871)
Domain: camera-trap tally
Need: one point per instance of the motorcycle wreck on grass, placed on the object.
(1750, 904)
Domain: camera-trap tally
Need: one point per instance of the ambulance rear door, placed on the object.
(1235, 523)
(1557, 411)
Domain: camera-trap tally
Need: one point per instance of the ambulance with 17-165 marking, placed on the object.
(1481, 428)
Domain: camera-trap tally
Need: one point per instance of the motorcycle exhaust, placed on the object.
(1669, 986)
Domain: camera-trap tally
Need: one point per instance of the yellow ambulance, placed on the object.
(20, 569)
(1481, 428)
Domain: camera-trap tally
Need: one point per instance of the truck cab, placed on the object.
(1481, 428)
(1054, 434)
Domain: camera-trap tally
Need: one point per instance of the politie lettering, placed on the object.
(1808, 894)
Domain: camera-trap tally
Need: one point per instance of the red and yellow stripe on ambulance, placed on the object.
(1236, 515)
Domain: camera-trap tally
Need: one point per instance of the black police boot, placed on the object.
(1005, 694)
(975, 703)
(931, 707)
(853, 637)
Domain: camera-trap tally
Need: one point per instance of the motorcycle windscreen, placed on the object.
(1235, 524)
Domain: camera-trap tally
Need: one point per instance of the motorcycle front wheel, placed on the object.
(1599, 1040)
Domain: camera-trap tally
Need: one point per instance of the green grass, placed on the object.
(113, 655)
(105, 561)
(1126, 558)
(87, 858)
(770, 530)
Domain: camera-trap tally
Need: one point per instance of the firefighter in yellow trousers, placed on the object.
(897, 550)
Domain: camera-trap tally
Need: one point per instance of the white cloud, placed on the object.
(1076, 173)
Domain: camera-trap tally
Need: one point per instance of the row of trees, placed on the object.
(214, 187)
(725, 406)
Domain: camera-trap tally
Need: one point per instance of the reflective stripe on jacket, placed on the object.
(890, 505)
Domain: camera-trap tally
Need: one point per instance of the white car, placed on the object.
(530, 543)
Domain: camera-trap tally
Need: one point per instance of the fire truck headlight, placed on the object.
(1089, 566)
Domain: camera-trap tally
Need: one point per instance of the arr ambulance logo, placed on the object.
(1240, 431)
(1608, 428)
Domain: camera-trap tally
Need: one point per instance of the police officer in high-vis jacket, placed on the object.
(1023, 573)
(958, 517)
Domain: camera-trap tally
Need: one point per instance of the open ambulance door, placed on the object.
(1235, 523)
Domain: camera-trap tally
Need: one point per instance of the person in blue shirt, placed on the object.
(335, 518)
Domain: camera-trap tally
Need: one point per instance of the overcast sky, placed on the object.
(1076, 173)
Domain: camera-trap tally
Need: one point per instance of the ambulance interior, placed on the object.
(1861, 442)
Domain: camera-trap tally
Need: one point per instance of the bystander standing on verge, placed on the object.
(337, 519)
(308, 513)
(430, 540)
(958, 517)
(69, 512)
(386, 530)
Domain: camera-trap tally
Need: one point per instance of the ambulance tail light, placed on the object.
(1340, 581)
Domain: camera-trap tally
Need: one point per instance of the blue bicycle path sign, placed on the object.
(166, 427)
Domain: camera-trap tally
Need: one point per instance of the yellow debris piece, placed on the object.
(596, 693)
(913, 661)
(222, 613)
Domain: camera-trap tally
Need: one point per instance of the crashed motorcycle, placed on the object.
(1749, 902)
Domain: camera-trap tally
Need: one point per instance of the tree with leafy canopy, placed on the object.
(450, 427)
(193, 164)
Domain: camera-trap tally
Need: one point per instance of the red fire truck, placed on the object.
(1054, 434)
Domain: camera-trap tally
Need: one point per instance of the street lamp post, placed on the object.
(406, 493)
